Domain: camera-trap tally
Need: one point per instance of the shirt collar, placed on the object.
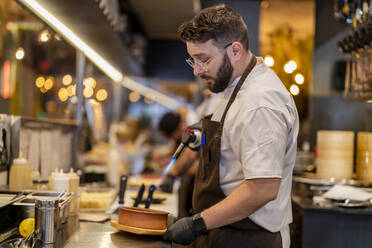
(258, 69)
(231, 87)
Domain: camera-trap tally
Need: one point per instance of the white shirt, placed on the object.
(259, 140)
(208, 106)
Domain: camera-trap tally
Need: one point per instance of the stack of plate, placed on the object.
(364, 157)
(335, 154)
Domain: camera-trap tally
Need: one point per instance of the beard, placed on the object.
(223, 76)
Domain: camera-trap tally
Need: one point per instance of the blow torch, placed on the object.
(190, 138)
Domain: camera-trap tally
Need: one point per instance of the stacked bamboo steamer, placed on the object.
(335, 150)
(364, 157)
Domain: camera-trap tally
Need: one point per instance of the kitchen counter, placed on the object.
(103, 235)
(92, 234)
(325, 225)
(82, 234)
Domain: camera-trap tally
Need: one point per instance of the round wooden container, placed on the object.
(143, 218)
(364, 157)
(335, 154)
(364, 141)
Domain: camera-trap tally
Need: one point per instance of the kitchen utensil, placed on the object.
(27, 242)
(149, 196)
(46, 220)
(123, 187)
(188, 137)
(11, 243)
(155, 200)
(139, 196)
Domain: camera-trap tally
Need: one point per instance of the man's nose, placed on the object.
(198, 70)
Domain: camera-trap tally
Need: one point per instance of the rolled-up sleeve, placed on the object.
(259, 142)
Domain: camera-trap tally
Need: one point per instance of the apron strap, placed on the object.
(249, 68)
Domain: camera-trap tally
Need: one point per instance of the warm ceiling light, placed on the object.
(265, 4)
(101, 95)
(63, 94)
(89, 82)
(71, 89)
(44, 36)
(299, 78)
(43, 90)
(294, 89)
(287, 68)
(48, 84)
(57, 25)
(88, 92)
(20, 53)
(292, 64)
(39, 82)
(67, 79)
(269, 60)
(290, 67)
(134, 96)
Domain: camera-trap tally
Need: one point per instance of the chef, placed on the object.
(242, 192)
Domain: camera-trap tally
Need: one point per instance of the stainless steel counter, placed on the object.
(103, 235)
(92, 234)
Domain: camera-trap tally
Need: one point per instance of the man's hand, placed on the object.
(186, 230)
(167, 184)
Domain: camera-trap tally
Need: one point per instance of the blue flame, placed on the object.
(168, 166)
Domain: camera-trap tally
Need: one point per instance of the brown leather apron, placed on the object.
(208, 192)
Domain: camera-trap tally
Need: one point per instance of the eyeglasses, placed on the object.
(202, 64)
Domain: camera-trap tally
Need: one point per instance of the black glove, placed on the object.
(167, 184)
(186, 230)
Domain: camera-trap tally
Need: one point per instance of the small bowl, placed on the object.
(143, 218)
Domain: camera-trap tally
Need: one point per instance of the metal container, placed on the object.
(46, 221)
(64, 209)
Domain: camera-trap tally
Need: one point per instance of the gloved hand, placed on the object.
(186, 230)
(167, 184)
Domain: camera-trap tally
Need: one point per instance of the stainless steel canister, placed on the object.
(46, 220)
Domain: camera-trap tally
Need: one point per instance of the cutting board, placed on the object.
(137, 230)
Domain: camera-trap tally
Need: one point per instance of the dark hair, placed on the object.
(219, 23)
(169, 123)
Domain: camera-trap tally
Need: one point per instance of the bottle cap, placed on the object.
(20, 160)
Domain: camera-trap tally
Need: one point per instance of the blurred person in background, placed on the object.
(172, 126)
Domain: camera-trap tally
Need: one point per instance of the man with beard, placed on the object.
(242, 192)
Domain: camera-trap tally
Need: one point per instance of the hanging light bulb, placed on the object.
(299, 78)
(88, 92)
(101, 95)
(63, 94)
(67, 79)
(49, 83)
(39, 82)
(294, 89)
(269, 60)
(134, 96)
(89, 82)
(20, 53)
(44, 36)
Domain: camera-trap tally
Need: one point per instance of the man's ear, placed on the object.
(237, 50)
